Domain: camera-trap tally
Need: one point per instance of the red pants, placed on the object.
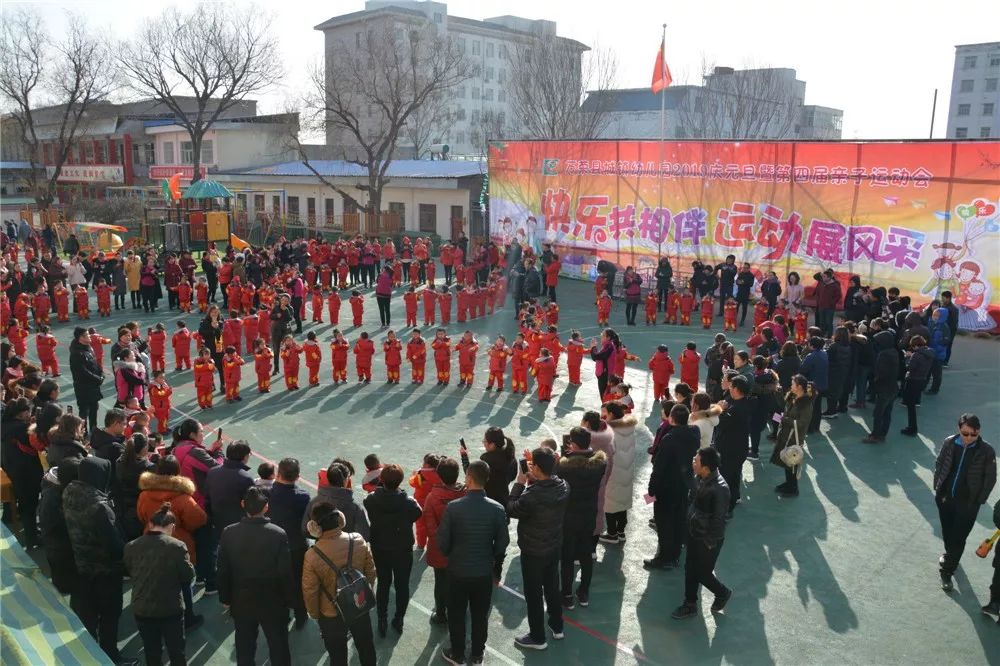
(357, 321)
(158, 362)
(428, 321)
(162, 417)
(730, 325)
(50, 365)
(545, 391)
(650, 317)
(686, 319)
(519, 380)
(318, 315)
(411, 319)
(495, 377)
(364, 372)
(334, 316)
(340, 371)
(465, 372)
(706, 322)
(263, 382)
(443, 370)
(83, 313)
(659, 390)
(418, 372)
(392, 371)
(574, 372)
(421, 533)
(313, 375)
(183, 362)
(292, 380)
(232, 391)
(205, 396)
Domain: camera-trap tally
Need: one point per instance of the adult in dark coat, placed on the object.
(392, 514)
(211, 272)
(532, 281)
(792, 429)
(52, 523)
(87, 376)
(664, 281)
(732, 436)
(885, 384)
(287, 509)
(583, 469)
(226, 485)
(838, 357)
(516, 285)
(744, 285)
(670, 483)
(727, 272)
(946, 302)
(342, 499)
(255, 581)
(210, 330)
(609, 269)
(21, 463)
(282, 317)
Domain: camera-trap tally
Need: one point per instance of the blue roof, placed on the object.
(343, 169)
(159, 122)
(15, 165)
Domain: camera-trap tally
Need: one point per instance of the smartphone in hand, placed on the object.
(461, 442)
(524, 466)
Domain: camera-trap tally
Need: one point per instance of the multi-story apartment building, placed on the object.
(974, 107)
(491, 45)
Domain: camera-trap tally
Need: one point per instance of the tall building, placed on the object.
(731, 104)
(974, 107)
(491, 44)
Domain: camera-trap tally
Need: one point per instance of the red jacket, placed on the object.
(364, 350)
(434, 507)
(422, 481)
(689, 367)
(544, 369)
(552, 273)
(662, 367)
(827, 295)
(393, 353)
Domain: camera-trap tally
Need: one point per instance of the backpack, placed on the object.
(354, 596)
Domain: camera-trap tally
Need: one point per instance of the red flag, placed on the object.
(661, 72)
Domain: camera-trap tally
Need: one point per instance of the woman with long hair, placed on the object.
(210, 330)
(132, 464)
(605, 358)
(792, 430)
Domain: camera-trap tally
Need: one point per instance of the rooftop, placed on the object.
(344, 169)
(633, 99)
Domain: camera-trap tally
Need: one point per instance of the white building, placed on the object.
(974, 107)
(428, 196)
(491, 44)
(732, 104)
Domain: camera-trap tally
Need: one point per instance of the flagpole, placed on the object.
(663, 129)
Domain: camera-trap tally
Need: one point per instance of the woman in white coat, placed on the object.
(601, 439)
(705, 417)
(618, 495)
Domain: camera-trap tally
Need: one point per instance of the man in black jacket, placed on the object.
(732, 436)
(226, 485)
(583, 469)
(255, 581)
(87, 376)
(706, 533)
(287, 504)
(610, 270)
(964, 475)
(473, 536)
(392, 514)
(885, 384)
(538, 502)
(947, 303)
(98, 547)
(342, 499)
(727, 279)
(670, 483)
(282, 317)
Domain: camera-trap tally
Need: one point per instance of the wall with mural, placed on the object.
(922, 216)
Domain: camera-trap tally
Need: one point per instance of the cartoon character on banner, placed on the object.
(506, 231)
(531, 235)
(979, 218)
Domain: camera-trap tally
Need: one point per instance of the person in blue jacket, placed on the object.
(816, 367)
(939, 342)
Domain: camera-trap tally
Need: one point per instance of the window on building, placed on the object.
(149, 153)
(100, 152)
(459, 114)
(984, 132)
(995, 62)
(398, 208)
(966, 86)
(187, 153)
(87, 150)
(475, 47)
(489, 74)
(258, 203)
(489, 49)
(311, 208)
(371, 110)
(969, 62)
(461, 45)
(357, 40)
(961, 132)
(988, 109)
(328, 210)
(963, 109)
(437, 17)
(460, 92)
(501, 117)
(475, 93)
(350, 206)
(502, 50)
(991, 85)
(168, 152)
(502, 74)
(460, 137)
(428, 218)
(488, 96)
(502, 96)
(475, 116)
(275, 205)
(293, 206)
(207, 152)
(371, 133)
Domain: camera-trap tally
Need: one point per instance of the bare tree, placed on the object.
(756, 102)
(492, 127)
(548, 82)
(429, 123)
(71, 77)
(114, 210)
(369, 93)
(218, 55)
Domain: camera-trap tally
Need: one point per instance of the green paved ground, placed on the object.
(845, 573)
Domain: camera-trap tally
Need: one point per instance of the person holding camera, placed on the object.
(538, 502)
(583, 469)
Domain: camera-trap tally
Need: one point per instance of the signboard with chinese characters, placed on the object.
(166, 171)
(922, 216)
(89, 173)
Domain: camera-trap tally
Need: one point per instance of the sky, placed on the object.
(878, 60)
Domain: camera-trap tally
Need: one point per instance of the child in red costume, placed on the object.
(600, 285)
(662, 367)
(397, 274)
(82, 301)
(603, 309)
(544, 371)
(342, 271)
(707, 311)
(686, 307)
(759, 313)
(339, 349)
(729, 314)
(104, 298)
(250, 323)
(61, 294)
(204, 378)
(290, 352)
(575, 350)
(651, 306)
(97, 343)
(466, 348)
(201, 294)
(462, 301)
(430, 299)
(232, 332)
(444, 302)
(231, 373)
(552, 313)
(416, 354)
(263, 361)
(689, 360)
(422, 482)
(414, 273)
(333, 307)
(498, 353)
(184, 292)
(18, 336)
(317, 305)
(801, 327)
(40, 307)
(157, 340)
(442, 356)
(159, 400)
(364, 350)
(181, 342)
(247, 295)
(410, 306)
(429, 271)
(45, 346)
(314, 356)
(393, 350)
(519, 365)
(21, 308)
(357, 307)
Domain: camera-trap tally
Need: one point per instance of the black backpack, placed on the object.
(354, 596)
